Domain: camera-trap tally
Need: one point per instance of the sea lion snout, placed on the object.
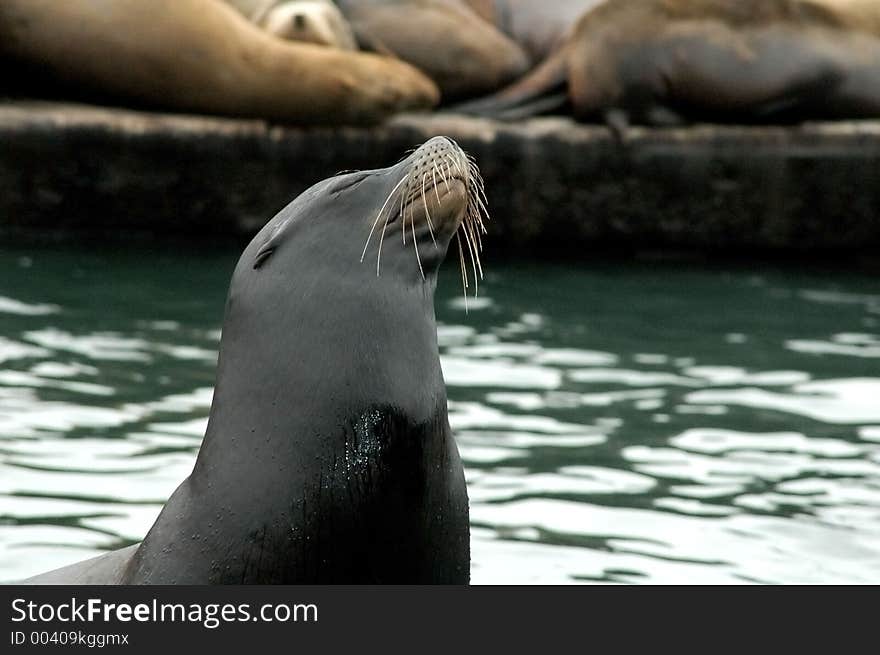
(433, 195)
(438, 187)
(442, 154)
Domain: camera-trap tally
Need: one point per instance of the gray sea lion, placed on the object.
(668, 61)
(328, 456)
(201, 56)
(463, 54)
(539, 27)
(309, 21)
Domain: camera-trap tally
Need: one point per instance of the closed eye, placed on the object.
(347, 182)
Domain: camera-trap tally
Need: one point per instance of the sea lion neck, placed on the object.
(346, 354)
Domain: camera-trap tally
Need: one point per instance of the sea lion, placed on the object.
(861, 15)
(328, 456)
(463, 54)
(539, 27)
(202, 56)
(310, 21)
(665, 62)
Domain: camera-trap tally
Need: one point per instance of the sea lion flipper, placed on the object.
(105, 569)
(555, 103)
(542, 90)
(663, 116)
(617, 121)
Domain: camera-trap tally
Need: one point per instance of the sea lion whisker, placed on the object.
(434, 176)
(474, 235)
(409, 199)
(471, 191)
(406, 199)
(413, 198)
(471, 254)
(473, 222)
(461, 175)
(427, 213)
(381, 241)
(385, 227)
(451, 175)
(481, 187)
(481, 192)
(473, 195)
(478, 266)
(454, 161)
(443, 175)
(464, 280)
(412, 216)
(412, 224)
(477, 176)
(483, 208)
(378, 216)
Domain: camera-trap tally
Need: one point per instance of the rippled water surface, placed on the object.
(619, 422)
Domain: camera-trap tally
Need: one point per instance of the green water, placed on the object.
(618, 422)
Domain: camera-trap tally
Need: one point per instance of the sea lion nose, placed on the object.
(440, 146)
(437, 143)
(439, 158)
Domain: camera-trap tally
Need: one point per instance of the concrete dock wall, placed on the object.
(553, 185)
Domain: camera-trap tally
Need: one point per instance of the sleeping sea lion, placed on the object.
(200, 56)
(665, 62)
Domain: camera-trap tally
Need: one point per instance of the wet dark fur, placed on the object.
(328, 456)
(382, 510)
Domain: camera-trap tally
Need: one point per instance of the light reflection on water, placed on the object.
(619, 423)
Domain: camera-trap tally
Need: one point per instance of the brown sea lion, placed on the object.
(202, 56)
(667, 61)
(463, 54)
(539, 27)
(309, 21)
(858, 14)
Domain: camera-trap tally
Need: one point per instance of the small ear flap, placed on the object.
(269, 246)
(264, 253)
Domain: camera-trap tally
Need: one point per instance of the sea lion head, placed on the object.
(310, 21)
(331, 305)
(330, 312)
(394, 223)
